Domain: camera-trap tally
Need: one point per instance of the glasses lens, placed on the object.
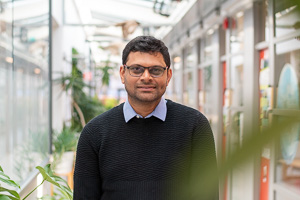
(136, 71)
(156, 71)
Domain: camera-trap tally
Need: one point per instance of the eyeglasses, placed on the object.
(154, 71)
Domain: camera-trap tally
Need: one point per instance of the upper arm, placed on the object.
(204, 171)
(87, 180)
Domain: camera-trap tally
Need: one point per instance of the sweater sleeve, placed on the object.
(204, 172)
(87, 181)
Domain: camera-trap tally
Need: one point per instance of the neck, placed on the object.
(143, 108)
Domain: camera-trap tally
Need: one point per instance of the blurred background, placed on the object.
(237, 61)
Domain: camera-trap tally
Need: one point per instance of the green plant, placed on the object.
(63, 141)
(66, 140)
(105, 71)
(109, 103)
(84, 106)
(11, 194)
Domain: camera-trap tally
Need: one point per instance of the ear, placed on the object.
(122, 73)
(169, 75)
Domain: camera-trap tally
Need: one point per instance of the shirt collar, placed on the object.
(160, 111)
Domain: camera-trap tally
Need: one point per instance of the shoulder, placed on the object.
(186, 115)
(94, 129)
(183, 110)
(187, 119)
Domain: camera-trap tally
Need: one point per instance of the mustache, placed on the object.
(146, 84)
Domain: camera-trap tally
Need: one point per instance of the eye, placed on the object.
(136, 69)
(156, 70)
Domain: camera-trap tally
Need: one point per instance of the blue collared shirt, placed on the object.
(160, 111)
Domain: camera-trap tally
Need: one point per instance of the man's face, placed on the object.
(145, 89)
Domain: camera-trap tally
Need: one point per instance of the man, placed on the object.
(147, 147)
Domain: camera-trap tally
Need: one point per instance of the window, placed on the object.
(24, 93)
(288, 151)
(189, 77)
(237, 33)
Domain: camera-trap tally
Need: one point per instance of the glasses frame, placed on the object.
(128, 67)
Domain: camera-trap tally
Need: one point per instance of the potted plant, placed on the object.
(64, 147)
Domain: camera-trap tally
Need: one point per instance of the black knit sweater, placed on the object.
(143, 159)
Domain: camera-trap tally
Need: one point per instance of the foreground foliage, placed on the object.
(12, 194)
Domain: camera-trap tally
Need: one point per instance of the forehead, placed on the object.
(145, 59)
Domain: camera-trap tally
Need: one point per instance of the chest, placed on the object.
(144, 152)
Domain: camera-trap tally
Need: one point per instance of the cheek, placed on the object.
(128, 82)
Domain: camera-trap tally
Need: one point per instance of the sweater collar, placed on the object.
(159, 112)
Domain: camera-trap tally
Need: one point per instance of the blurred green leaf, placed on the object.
(55, 180)
(12, 192)
(2, 174)
(252, 146)
(6, 197)
(5, 179)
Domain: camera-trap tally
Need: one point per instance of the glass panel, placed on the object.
(188, 94)
(185, 88)
(200, 89)
(31, 43)
(237, 33)
(207, 55)
(235, 140)
(265, 88)
(3, 91)
(190, 64)
(236, 80)
(266, 17)
(177, 62)
(236, 131)
(191, 55)
(190, 89)
(287, 15)
(288, 157)
(265, 99)
(288, 160)
(6, 66)
(177, 77)
(24, 95)
(31, 29)
(177, 83)
(208, 97)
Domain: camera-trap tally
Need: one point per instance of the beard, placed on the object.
(144, 96)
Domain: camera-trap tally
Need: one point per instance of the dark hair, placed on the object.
(146, 44)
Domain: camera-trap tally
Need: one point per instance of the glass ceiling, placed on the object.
(107, 23)
(112, 23)
(145, 16)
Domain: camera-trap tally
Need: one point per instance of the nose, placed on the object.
(146, 74)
